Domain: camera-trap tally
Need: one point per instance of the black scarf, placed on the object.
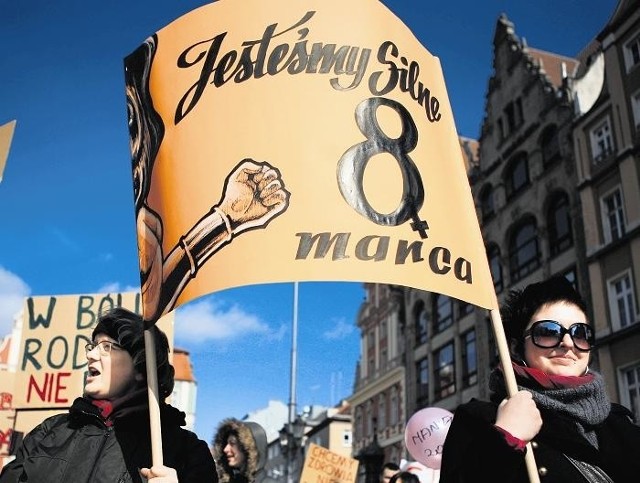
(582, 398)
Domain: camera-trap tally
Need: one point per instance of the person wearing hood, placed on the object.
(105, 436)
(240, 452)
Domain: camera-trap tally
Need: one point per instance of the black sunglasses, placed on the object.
(548, 334)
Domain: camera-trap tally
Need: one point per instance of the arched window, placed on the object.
(516, 175)
(443, 312)
(559, 224)
(487, 208)
(422, 324)
(550, 145)
(495, 265)
(524, 251)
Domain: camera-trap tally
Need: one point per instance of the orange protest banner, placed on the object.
(297, 141)
(6, 135)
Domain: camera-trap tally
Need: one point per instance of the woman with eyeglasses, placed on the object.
(105, 436)
(562, 407)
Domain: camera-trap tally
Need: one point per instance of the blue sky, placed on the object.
(67, 200)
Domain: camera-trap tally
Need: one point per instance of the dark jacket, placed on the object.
(252, 439)
(475, 451)
(78, 447)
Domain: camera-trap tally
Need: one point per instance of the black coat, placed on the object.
(78, 447)
(475, 451)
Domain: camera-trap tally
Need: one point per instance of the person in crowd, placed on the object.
(423, 472)
(240, 451)
(561, 406)
(388, 470)
(105, 436)
(404, 477)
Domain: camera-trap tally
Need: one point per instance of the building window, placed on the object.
(513, 113)
(469, 359)
(621, 301)
(635, 107)
(494, 358)
(524, 251)
(359, 424)
(371, 366)
(394, 410)
(571, 276)
(631, 389)
(559, 224)
(382, 411)
(422, 323)
(486, 203)
(501, 132)
(443, 310)
(632, 53)
(347, 438)
(371, 354)
(371, 340)
(550, 146)
(422, 387)
(445, 374)
(517, 175)
(601, 141)
(464, 308)
(612, 215)
(495, 265)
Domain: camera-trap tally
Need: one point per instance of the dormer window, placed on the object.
(601, 141)
(632, 53)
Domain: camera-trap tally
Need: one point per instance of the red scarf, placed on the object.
(546, 381)
(106, 408)
(112, 409)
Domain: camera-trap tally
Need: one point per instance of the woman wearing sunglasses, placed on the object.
(105, 436)
(561, 407)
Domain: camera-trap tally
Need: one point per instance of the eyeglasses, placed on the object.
(548, 334)
(105, 347)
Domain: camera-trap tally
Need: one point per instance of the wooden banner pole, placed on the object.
(510, 381)
(154, 405)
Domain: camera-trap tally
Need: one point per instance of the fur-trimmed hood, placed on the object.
(253, 442)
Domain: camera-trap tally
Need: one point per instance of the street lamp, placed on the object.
(372, 457)
(291, 436)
